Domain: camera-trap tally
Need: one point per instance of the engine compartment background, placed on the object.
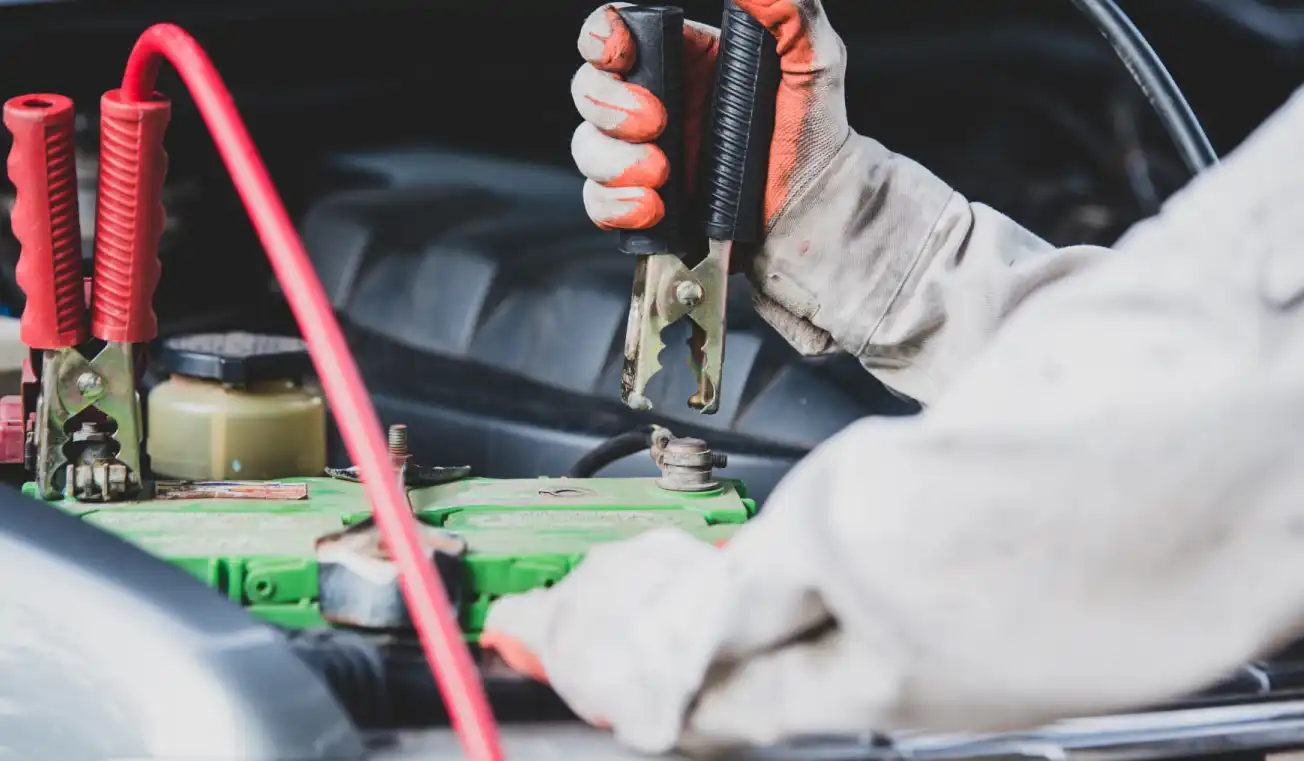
(424, 147)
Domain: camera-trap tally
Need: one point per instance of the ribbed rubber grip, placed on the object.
(742, 125)
(129, 217)
(658, 33)
(42, 167)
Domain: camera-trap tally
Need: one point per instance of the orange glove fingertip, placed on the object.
(523, 661)
(618, 49)
(647, 210)
(651, 171)
(515, 654)
(641, 123)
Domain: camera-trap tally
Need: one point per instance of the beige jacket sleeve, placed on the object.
(1101, 507)
(886, 262)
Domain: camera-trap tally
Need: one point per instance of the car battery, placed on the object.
(302, 553)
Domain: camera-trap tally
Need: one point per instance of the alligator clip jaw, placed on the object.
(665, 291)
(90, 463)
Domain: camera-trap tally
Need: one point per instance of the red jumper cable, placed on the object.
(128, 222)
(427, 600)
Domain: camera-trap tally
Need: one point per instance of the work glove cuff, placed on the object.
(839, 255)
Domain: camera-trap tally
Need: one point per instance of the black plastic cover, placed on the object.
(236, 358)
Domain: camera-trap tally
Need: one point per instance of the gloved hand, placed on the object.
(612, 146)
(814, 156)
(853, 231)
(577, 635)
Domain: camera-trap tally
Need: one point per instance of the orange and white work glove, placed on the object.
(864, 249)
(613, 146)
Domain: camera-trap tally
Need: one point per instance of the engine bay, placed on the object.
(486, 316)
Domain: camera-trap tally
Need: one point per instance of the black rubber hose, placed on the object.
(614, 448)
(1155, 81)
(352, 668)
(383, 682)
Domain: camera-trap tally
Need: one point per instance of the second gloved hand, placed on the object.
(577, 636)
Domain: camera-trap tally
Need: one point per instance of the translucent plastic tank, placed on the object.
(225, 415)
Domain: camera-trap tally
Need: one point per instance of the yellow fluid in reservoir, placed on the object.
(206, 430)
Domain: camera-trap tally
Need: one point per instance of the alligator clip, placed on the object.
(87, 435)
(666, 290)
(734, 166)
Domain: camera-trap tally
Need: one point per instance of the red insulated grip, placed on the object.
(129, 217)
(42, 167)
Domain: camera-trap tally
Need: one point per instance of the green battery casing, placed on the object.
(520, 533)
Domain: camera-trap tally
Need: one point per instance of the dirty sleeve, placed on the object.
(883, 260)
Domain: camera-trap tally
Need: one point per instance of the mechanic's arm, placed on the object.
(866, 251)
(1102, 512)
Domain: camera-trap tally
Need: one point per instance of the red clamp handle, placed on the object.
(42, 167)
(129, 217)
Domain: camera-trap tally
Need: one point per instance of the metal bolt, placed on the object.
(89, 431)
(686, 465)
(686, 446)
(688, 293)
(90, 385)
(398, 440)
(719, 459)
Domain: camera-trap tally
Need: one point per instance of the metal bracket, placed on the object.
(71, 384)
(665, 291)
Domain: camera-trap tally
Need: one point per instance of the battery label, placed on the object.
(231, 490)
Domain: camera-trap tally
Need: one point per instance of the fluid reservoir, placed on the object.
(236, 406)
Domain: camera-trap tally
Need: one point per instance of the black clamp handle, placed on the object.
(737, 159)
(658, 33)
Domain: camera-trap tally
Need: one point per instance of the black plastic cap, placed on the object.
(236, 358)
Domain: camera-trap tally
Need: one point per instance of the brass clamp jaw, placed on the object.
(92, 463)
(665, 291)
